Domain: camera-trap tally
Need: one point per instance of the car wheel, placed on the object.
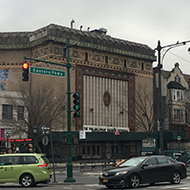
(134, 181)
(176, 178)
(27, 180)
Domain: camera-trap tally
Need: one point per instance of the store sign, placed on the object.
(20, 140)
(82, 134)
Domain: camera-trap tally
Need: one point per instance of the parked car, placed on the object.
(183, 156)
(145, 169)
(27, 169)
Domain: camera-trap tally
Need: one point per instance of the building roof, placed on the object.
(175, 85)
(93, 39)
(165, 74)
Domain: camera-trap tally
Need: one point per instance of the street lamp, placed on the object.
(159, 48)
(35, 132)
(179, 139)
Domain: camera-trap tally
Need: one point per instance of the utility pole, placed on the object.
(160, 99)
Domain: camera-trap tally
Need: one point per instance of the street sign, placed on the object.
(43, 71)
(82, 134)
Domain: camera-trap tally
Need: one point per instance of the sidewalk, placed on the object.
(80, 177)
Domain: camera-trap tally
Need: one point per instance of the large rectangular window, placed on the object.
(20, 114)
(178, 115)
(7, 112)
(178, 95)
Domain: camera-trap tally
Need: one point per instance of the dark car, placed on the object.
(145, 169)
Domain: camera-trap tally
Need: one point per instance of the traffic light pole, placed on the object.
(69, 133)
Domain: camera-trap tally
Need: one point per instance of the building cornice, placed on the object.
(85, 39)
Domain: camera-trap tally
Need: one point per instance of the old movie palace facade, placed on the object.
(107, 73)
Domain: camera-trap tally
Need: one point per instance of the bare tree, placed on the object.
(144, 109)
(43, 106)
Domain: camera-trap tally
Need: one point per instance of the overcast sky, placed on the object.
(142, 21)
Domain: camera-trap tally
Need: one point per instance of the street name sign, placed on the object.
(43, 71)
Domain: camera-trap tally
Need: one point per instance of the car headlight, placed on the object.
(121, 173)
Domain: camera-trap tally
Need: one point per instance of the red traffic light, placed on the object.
(25, 65)
(25, 71)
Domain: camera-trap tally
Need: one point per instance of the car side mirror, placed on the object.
(144, 165)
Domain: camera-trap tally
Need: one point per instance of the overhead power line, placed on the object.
(179, 57)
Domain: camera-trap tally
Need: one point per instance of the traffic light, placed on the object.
(25, 71)
(76, 106)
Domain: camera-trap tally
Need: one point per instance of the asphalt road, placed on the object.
(88, 180)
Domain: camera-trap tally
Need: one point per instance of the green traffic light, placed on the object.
(76, 107)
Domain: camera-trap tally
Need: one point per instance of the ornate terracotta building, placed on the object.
(107, 72)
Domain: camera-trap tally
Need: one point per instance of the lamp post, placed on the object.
(179, 139)
(35, 132)
(159, 49)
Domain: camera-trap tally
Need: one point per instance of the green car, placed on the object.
(24, 168)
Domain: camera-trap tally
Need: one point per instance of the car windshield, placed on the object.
(132, 162)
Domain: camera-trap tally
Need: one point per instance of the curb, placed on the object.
(66, 183)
